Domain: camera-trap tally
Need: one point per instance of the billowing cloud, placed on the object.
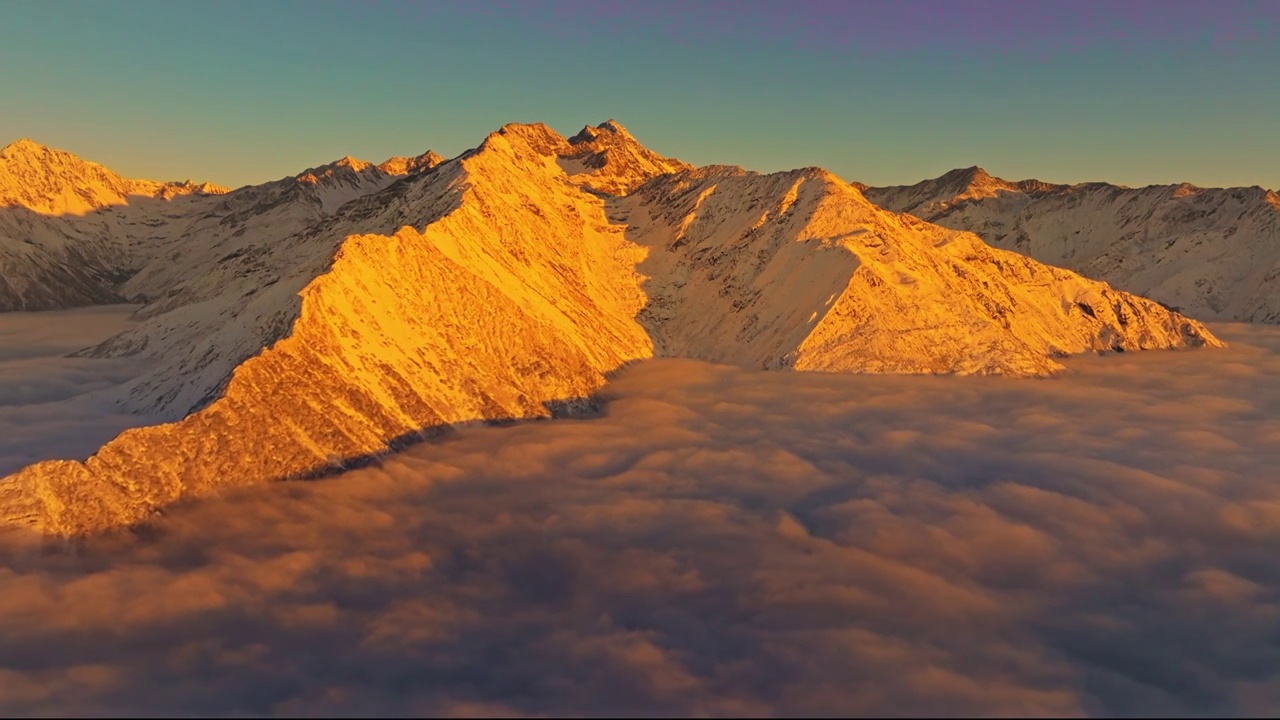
(718, 542)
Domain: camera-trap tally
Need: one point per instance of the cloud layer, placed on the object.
(718, 542)
(47, 406)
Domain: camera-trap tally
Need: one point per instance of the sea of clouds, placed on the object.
(717, 542)
(48, 403)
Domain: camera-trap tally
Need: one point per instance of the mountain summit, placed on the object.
(54, 182)
(289, 338)
(410, 165)
(71, 230)
(608, 158)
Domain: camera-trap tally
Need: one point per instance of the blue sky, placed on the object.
(882, 92)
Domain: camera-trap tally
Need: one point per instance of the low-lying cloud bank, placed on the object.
(720, 542)
(47, 404)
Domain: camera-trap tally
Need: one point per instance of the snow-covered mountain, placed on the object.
(295, 333)
(74, 233)
(1214, 253)
(71, 230)
(798, 270)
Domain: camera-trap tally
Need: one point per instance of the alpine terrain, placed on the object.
(1213, 253)
(298, 327)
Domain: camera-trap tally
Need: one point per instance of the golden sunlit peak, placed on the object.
(610, 126)
(337, 167)
(23, 146)
(613, 126)
(354, 163)
(400, 165)
(536, 131)
(538, 136)
(1185, 190)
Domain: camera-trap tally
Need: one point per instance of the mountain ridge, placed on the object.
(73, 232)
(982, 171)
(1214, 252)
(506, 283)
(54, 181)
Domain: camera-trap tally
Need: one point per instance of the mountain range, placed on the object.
(1213, 253)
(300, 327)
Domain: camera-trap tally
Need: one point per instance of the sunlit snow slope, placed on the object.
(1213, 253)
(297, 332)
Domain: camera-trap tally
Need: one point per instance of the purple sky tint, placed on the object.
(1000, 26)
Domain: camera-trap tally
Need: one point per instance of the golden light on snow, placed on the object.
(362, 312)
(701, 530)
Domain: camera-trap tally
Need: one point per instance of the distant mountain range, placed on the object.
(305, 325)
(1213, 253)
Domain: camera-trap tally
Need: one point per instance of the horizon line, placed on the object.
(448, 158)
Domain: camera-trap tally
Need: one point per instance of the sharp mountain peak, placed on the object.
(353, 163)
(973, 172)
(23, 145)
(28, 151)
(608, 127)
(400, 165)
(344, 163)
(970, 177)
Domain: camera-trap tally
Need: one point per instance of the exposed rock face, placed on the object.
(1214, 253)
(507, 282)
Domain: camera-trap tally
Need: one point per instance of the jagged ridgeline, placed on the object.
(299, 326)
(1213, 253)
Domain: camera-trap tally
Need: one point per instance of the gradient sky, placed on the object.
(882, 92)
